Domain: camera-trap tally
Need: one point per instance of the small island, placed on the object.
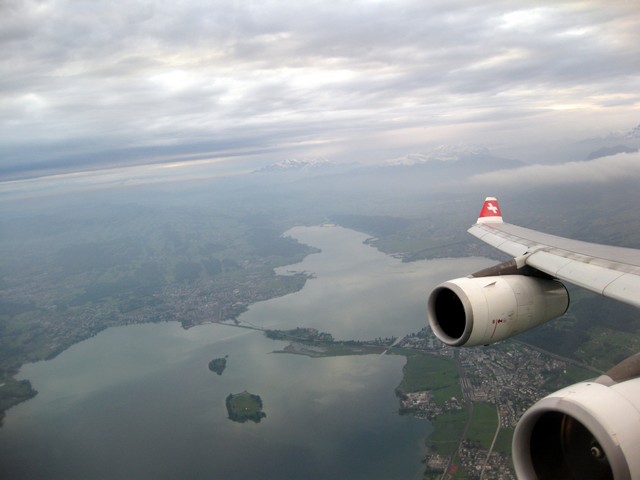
(245, 406)
(218, 364)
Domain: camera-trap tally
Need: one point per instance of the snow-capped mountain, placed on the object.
(634, 133)
(296, 164)
(630, 134)
(459, 158)
(621, 141)
(442, 153)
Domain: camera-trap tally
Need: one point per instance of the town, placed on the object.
(511, 376)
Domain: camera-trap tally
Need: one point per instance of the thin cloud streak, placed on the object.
(82, 79)
(614, 168)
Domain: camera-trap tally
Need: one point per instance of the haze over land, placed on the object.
(83, 253)
(194, 243)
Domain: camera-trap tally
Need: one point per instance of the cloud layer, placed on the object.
(614, 168)
(101, 83)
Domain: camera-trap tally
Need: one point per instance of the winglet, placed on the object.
(490, 212)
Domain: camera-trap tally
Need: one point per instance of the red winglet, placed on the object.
(490, 212)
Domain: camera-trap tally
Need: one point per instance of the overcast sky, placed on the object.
(91, 84)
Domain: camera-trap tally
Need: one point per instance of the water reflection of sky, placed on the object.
(140, 401)
(358, 292)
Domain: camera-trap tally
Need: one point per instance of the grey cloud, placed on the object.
(135, 74)
(614, 168)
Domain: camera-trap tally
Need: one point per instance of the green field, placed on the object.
(573, 374)
(503, 442)
(439, 375)
(341, 349)
(447, 431)
(606, 347)
(484, 422)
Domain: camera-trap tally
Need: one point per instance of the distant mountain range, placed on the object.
(437, 167)
(622, 141)
(442, 153)
(631, 134)
(429, 169)
(296, 164)
(457, 158)
(634, 132)
(607, 151)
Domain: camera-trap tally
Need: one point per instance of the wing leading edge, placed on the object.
(610, 271)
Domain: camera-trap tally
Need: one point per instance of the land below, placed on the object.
(78, 263)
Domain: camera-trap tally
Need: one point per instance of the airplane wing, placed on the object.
(590, 429)
(610, 271)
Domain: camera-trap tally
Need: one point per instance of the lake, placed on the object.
(140, 402)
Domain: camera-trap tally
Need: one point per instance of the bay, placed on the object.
(140, 402)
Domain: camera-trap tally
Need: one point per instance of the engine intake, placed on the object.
(588, 430)
(477, 311)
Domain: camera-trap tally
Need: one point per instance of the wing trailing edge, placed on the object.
(608, 270)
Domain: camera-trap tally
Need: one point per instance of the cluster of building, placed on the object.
(480, 464)
(422, 405)
(511, 376)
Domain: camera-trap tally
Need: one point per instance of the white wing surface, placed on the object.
(588, 430)
(611, 271)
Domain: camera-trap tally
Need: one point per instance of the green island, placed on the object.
(218, 364)
(245, 406)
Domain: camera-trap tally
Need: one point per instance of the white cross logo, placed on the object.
(493, 208)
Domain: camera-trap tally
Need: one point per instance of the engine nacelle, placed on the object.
(480, 310)
(588, 430)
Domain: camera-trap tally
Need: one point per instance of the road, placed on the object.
(465, 384)
(495, 437)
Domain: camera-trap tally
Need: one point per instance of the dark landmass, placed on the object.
(12, 392)
(76, 263)
(71, 268)
(245, 406)
(597, 331)
(306, 335)
(218, 364)
(312, 343)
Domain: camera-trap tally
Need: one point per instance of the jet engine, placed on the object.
(589, 430)
(481, 310)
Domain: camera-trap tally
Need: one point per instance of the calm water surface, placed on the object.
(139, 402)
(359, 292)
